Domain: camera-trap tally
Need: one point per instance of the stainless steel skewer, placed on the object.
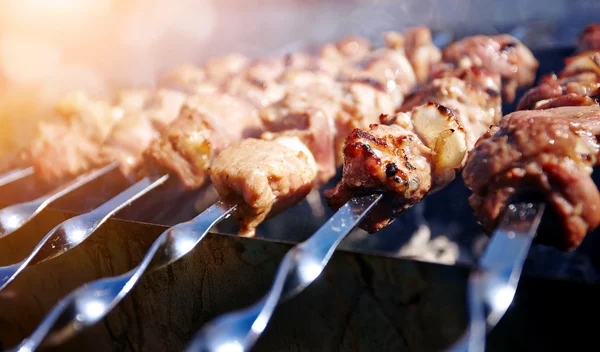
(493, 284)
(15, 216)
(15, 175)
(238, 331)
(93, 301)
(70, 233)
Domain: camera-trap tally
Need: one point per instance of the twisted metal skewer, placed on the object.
(238, 331)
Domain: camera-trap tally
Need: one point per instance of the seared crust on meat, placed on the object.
(417, 154)
(383, 159)
(550, 152)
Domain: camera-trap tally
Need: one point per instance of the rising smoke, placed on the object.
(48, 48)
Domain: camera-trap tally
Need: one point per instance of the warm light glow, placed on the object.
(49, 48)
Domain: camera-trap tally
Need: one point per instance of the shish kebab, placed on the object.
(204, 107)
(392, 166)
(538, 159)
(83, 140)
(180, 239)
(84, 135)
(225, 88)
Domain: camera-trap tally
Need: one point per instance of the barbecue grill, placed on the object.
(378, 291)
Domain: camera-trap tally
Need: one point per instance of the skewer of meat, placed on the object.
(143, 116)
(421, 151)
(418, 152)
(184, 137)
(548, 147)
(537, 161)
(79, 146)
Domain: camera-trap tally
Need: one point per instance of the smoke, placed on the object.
(48, 48)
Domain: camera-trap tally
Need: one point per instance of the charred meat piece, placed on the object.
(549, 152)
(501, 54)
(472, 94)
(70, 142)
(206, 124)
(147, 115)
(263, 178)
(590, 38)
(416, 155)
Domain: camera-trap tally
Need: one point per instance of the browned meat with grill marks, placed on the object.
(580, 89)
(501, 54)
(472, 94)
(590, 38)
(206, 124)
(577, 84)
(550, 152)
(147, 115)
(263, 178)
(417, 154)
(70, 142)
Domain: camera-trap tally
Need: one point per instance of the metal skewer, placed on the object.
(238, 331)
(93, 301)
(15, 175)
(493, 284)
(73, 231)
(15, 216)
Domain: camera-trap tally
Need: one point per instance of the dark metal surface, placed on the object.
(360, 302)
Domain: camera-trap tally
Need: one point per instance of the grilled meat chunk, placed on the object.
(147, 115)
(308, 111)
(349, 51)
(501, 54)
(407, 160)
(218, 69)
(70, 142)
(188, 79)
(206, 124)
(590, 38)
(263, 178)
(578, 90)
(577, 84)
(258, 82)
(419, 48)
(472, 94)
(549, 152)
